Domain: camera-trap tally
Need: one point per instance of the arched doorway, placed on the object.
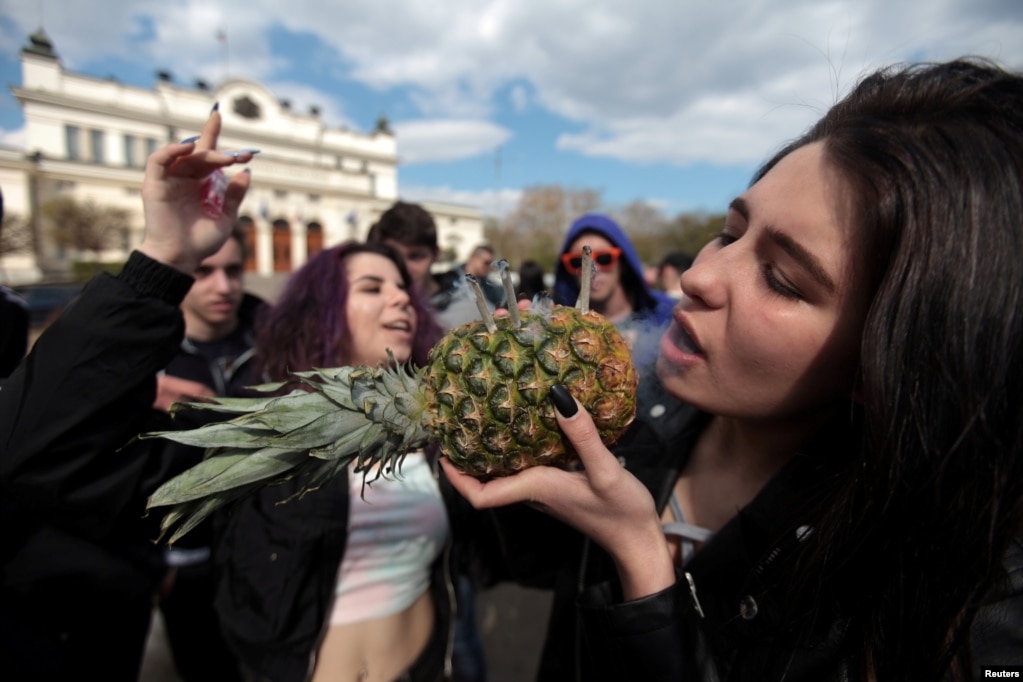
(247, 227)
(282, 245)
(313, 239)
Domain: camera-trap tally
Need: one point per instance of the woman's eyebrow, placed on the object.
(789, 246)
(376, 279)
(802, 256)
(740, 206)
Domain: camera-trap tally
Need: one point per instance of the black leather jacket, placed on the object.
(725, 618)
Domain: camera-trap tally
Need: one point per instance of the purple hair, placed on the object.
(308, 328)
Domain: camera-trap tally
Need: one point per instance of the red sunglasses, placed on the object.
(604, 258)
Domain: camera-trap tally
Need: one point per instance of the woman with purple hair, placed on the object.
(343, 581)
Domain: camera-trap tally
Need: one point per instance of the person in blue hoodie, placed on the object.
(619, 293)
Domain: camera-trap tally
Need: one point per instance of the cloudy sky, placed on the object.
(673, 102)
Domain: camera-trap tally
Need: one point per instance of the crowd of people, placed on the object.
(822, 481)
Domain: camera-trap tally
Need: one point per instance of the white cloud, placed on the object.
(446, 140)
(13, 138)
(643, 81)
(491, 202)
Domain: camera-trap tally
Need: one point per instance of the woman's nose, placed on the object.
(400, 297)
(706, 280)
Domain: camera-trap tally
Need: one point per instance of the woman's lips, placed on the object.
(678, 347)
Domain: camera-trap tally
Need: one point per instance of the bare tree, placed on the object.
(534, 230)
(84, 226)
(15, 235)
(639, 217)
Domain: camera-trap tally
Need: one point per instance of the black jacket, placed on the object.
(731, 621)
(73, 532)
(230, 374)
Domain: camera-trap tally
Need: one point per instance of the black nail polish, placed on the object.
(216, 105)
(563, 401)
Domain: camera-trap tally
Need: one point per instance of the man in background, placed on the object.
(412, 231)
(619, 292)
(669, 272)
(480, 265)
(214, 360)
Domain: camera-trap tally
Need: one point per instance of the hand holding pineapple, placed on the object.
(178, 232)
(601, 500)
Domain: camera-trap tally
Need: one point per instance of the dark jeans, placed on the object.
(193, 629)
(470, 660)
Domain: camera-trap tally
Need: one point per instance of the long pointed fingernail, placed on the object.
(563, 401)
(233, 153)
(216, 105)
(190, 140)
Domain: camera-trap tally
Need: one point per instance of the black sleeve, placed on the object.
(996, 638)
(86, 390)
(654, 638)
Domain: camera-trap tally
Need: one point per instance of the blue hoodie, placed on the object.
(652, 311)
(650, 303)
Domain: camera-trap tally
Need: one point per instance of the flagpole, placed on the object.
(222, 39)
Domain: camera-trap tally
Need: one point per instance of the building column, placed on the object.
(264, 248)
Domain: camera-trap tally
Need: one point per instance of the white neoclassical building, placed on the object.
(88, 138)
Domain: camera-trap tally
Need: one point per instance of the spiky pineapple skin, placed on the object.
(488, 391)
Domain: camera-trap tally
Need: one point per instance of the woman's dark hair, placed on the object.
(308, 325)
(913, 535)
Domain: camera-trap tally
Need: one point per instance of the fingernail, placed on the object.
(190, 140)
(247, 170)
(563, 401)
(250, 150)
(238, 153)
(216, 105)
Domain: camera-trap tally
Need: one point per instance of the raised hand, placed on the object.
(172, 389)
(178, 232)
(603, 500)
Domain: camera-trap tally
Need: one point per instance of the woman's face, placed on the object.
(771, 313)
(380, 313)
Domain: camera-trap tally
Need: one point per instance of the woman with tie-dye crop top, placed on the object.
(342, 582)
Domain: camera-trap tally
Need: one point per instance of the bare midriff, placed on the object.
(377, 650)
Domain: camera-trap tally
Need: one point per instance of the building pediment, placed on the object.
(248, 102)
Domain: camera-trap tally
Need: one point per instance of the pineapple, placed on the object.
(483, 395)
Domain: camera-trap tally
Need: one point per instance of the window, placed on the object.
(280, 194)
(96, 145)
(314, 198)
(151, 146)
(130, 153)
(72, 138)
